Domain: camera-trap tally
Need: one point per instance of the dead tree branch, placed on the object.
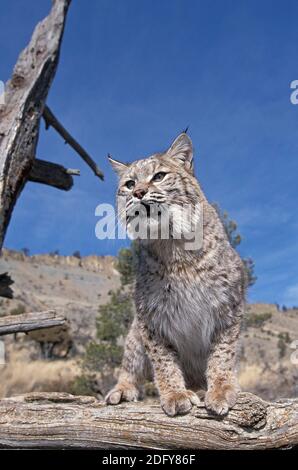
(52, 174)
(55, 420)
(24, 101)
(51, 121)
(25, 96)
(30, 321)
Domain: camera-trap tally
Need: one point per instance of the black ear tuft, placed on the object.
(119, 167)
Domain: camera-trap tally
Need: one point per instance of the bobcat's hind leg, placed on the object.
(134, 370)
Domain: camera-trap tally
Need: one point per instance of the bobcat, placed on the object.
(189, 302)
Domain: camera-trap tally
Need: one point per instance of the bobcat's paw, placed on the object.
(178, 403)
(122, 392)
(220, 399)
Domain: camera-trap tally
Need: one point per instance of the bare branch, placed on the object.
(51, 120)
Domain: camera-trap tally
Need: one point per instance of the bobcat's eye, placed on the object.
(159, 176)
(130, 184)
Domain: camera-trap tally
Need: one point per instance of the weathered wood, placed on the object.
(52, 174)
(5, 283)
(51, 121)
(25, 96)
(30, 321)
(55, 420)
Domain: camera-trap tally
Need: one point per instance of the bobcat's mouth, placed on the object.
(152, 209)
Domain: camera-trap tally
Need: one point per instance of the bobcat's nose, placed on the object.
(140, 192)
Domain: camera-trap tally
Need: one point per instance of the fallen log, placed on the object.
(60, 420)
(30, 321)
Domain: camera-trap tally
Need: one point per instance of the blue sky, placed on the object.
(132, 75)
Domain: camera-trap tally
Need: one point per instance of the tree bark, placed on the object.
(52, 174)
(25, 96)
(30, 321)
(5, 283)
(55, 420)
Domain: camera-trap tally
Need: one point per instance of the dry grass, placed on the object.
(22, 375)
(250, 377)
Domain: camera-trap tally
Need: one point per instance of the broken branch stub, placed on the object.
(52, 174)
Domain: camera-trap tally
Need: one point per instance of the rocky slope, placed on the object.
(75, 287)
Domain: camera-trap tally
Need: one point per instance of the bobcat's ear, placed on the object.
(182, 150)
(118, 167)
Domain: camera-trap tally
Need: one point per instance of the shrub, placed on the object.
(18, 310)
(105, 354)
(283, 340)
(83, 385)
(102, 356)
(235, 239)
(257, 319)
(126, 263)
(54, 253)
(115, 317)
(282, 347)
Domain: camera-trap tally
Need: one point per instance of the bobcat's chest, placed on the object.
(178, 310)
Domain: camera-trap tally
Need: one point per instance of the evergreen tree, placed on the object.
(235, 239)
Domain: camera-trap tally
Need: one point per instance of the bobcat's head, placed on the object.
(158, 192)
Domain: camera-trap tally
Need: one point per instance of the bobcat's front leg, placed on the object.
(222, 383)
(174, 397)
(135, 368)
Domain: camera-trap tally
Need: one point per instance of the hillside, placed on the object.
(72, 286)
(76, 287)
(267, 367)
